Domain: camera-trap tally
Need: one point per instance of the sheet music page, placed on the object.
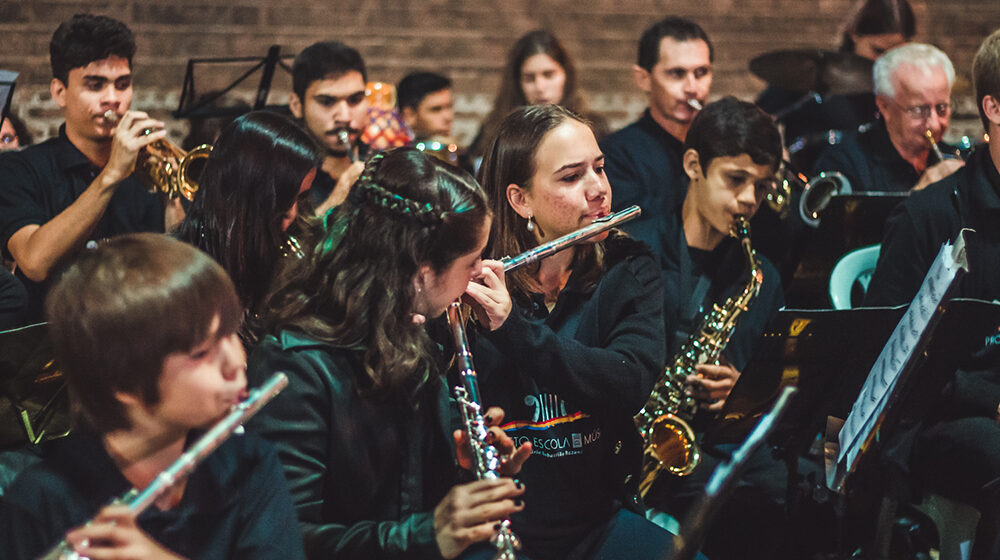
(894, 356)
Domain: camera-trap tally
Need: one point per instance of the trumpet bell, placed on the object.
(164, 168)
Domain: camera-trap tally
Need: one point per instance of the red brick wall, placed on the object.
(466, 39)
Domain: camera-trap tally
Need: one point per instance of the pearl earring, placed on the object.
(531, 225)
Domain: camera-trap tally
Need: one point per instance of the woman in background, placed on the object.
(539, 71)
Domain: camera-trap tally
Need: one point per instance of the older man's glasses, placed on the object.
(923, 112)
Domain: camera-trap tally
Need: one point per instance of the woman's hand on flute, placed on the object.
(487, 295)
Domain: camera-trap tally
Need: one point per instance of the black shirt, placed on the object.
(698, 279)
(235, 504)
(969, 198)
(644, 166)
(870, 161)
(570, 381)
(42, 180)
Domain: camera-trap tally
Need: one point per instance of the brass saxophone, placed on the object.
(668, 440)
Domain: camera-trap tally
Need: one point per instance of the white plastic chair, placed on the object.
(856, 266)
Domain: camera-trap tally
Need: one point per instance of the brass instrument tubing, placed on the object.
(937, 151)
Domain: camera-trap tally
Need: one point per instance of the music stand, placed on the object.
(818, 351)
(7, 79)
(189, 108)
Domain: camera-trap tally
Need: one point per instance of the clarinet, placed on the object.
(485, 459)
(596, 227)
(137, 501)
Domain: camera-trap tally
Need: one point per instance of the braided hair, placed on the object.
(356, 290)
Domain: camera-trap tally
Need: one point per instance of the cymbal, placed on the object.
(822, 71)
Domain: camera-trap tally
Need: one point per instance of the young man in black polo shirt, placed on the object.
(328, 82)
(913, 94)
(78, 187)
(643, 160)
(957, 454)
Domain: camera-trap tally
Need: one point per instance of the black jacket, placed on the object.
(570, 382)
(644, 166)
(365, 474)
(969, 198)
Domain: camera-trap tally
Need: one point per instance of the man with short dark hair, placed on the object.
(674, 69)
(913, 94)
(425, 101)
(79, 187)
(328, 82)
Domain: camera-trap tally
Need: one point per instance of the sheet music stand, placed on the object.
(33, 402)
(820, 352)
(189, 108)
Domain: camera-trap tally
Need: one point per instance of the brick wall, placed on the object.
(463, 38)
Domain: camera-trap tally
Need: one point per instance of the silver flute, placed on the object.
(345, 139)
(598, 226)
(485, 458)
(137, 501)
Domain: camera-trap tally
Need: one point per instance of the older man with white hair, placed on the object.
(897, 153)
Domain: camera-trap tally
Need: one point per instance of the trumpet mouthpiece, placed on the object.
(929, 136)
(110, 116)
(694, 104)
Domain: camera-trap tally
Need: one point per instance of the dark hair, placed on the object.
(86, 38)
(122, 308)
(249, 182)
(986, 74)
(730, 127)
(878, 17)
(511, 95)
(413, 88)
(356, 290)
(24, 137)
(322, 60)
(511, 159)
(677, 28)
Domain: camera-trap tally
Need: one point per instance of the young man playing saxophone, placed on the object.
(731, 154)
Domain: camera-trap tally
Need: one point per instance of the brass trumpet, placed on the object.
(163, 167)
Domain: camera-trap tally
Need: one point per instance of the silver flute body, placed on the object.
(485, 458)
(137, 501)
(598, 226)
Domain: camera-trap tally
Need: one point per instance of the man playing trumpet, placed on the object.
(913, 93)
(79, 187)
